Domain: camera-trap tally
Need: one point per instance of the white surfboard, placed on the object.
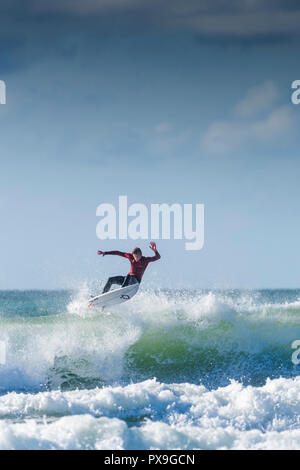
(115, 296)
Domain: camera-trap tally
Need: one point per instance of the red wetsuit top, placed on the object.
(137, 267)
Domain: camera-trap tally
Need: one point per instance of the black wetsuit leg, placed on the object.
(129, 280)
(113, 280)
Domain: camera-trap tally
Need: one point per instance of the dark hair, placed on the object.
(136, 251)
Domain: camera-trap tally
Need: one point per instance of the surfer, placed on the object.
(138, 264)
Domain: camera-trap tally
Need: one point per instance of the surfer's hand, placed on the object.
(99, 252)
(152, 246)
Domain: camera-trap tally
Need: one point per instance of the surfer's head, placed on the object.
(136, 253)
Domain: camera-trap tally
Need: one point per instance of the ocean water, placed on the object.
(170, 369)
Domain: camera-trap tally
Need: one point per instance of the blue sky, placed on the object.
(184, 104)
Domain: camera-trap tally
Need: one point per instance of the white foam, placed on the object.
(182, 416)
(71, 432)
(89, 347)
(94, 345)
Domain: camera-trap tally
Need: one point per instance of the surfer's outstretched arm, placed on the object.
(118, 253)
(156, 256)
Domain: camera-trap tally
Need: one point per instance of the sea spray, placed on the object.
(154, 415)
(201, 337)
(168, 369)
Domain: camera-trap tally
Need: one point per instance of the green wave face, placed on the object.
(53, 341)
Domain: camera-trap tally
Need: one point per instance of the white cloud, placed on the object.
(163, 127)
(88, 7)
(168, 143)
(259, 98)
(235, 19)
(274, 125)
(242, 23)
(224, 136)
